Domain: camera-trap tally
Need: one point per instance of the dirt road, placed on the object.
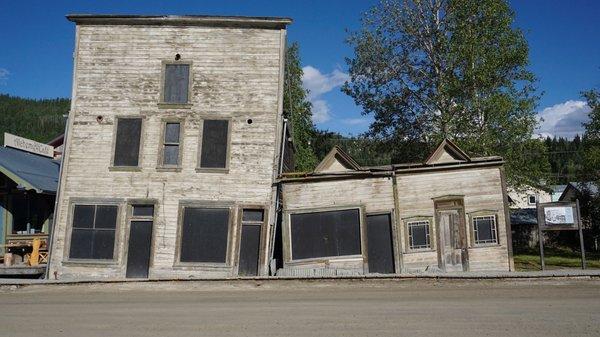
(295, 308)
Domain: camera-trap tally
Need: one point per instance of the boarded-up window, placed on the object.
(204, 235)
(214, 144)
(418, 235)
(171, 142)
(323, 234)
(127, 144)
(484, 229)
(176, 86)
(93, 235)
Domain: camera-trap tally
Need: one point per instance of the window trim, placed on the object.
(432, 235)
(160, 166)
(116, 260)
(231, 227)
(112, 166)
(535, 197)
(225, 169)
(161, 101)
(480, 214)
(287, 236)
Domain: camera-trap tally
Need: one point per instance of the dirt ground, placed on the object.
(306, 308)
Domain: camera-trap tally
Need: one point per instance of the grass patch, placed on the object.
(555, 258)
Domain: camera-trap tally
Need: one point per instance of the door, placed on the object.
(249, 250)
(138, 256)
(452, 241)
(380, 248)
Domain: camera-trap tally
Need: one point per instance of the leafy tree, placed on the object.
(297, 109)
(40, 120)
(448, 68)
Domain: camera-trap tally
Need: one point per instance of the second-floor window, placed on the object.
(176, 83)
(127, 142)
(214, 146)
(171, 152)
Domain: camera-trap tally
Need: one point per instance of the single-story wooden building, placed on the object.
(449, 213)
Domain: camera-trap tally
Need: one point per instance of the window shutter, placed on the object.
(127, 146)
(177, 77)
(214, 144)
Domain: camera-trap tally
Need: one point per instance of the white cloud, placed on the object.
(355, 121)
(320, 111)
(319, 84)
(4, 76)
(564, 119)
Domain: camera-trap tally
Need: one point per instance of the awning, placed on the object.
(523, 216)
(30, 171)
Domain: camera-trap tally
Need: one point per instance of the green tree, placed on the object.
(297, 109)
(40, 120)
(448, 68)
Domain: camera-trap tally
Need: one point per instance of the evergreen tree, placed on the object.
(297, 109)
(40, 120)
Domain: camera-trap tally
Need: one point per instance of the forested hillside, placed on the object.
(40, 120)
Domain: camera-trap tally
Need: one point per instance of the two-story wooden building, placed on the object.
(172, 147)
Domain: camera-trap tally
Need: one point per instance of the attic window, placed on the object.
(531, 199)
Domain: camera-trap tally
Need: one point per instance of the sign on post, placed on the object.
(559, 216)
(28, 145)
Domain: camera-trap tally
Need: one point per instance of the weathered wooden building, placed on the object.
(173, 162)
(172, 147)
(449, 213)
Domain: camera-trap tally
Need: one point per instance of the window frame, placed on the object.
(287, 235)
(67, 260)
(231, 227)
(160, 166)
(112, 166)
(161, 101)
(484, 214)
(431, 230)
(225, 169)
(529, 199)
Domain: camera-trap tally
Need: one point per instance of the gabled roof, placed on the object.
(447, 152)
(577, 187)
(337, 160)
(31, 171)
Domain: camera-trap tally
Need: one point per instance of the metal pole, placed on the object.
(540, 236)
(583, 262)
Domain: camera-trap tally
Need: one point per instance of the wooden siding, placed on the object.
(481, 189)
(236, 74)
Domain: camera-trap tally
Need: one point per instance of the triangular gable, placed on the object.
(447, 152)
(337, 161)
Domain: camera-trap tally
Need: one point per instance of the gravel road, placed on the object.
(306, 308)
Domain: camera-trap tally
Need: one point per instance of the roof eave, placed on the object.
(184, 20)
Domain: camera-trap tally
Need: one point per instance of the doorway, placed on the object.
(252, 223)
(140, 241)
(380, 247)
(451, 236)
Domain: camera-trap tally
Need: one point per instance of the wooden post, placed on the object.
(540, 235)
(582, 244)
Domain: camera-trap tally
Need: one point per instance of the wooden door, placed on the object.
(138, 256)
(452, 241)
(379, 244)
(249, 250)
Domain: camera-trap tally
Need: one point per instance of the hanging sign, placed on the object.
(28, 145)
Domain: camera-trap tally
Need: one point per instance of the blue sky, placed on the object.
(564, 39)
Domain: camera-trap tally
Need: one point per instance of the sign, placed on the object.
(28, 145)
(558, 216)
